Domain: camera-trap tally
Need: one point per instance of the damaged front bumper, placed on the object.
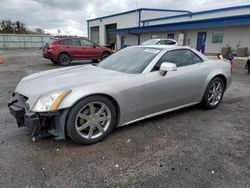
(42, 124)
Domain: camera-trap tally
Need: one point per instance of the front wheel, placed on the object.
(91, 120)
(214, 93)
(105, 55)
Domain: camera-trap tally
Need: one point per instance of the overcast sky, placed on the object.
(70, 15)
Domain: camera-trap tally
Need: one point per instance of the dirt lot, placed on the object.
(187, 148)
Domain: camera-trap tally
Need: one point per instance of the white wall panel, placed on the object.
(235, 37)
(202, 16)
(131, 40)
(145, 15)
(23, 40)
(126, 20)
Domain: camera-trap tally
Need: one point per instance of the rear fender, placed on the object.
(63, 52)
(210, 76)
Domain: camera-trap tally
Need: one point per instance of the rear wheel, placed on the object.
(214, 93)
(105, 55)
(91, 120)
(64, 59)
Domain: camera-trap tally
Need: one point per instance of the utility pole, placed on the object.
(58, 32)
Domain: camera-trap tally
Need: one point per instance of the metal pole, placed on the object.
(4, 45)
(42, 40)
(24, 42)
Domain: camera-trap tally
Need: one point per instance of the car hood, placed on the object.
(65, 78)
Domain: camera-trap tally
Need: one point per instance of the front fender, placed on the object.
(80, 93)
(127, 93)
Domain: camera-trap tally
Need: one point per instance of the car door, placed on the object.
(176, 88)
(90, 50)
(72, 46)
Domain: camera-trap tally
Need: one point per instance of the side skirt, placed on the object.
(158, 113)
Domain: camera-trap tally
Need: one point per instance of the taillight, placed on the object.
(52, 46)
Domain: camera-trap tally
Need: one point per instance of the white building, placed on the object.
(219, 28)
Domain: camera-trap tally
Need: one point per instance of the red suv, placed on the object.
(62, 50)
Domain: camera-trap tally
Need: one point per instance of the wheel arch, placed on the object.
(112, 99)
(211, 76)
(223, 77)
(64, 52)
(106, 51)
(205, 101)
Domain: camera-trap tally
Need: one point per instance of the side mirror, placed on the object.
(165, 67)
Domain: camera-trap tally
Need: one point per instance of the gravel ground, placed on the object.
(186, 148)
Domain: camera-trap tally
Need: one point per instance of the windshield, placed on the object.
(151, 42)
(130, 60)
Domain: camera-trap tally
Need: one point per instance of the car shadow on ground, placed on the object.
(148, 123)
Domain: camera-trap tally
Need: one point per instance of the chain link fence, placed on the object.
(12, 41)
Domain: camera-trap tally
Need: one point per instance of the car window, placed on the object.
(151, 42)
(162, 42)
(50, 41)
(86, 43)
(166, 42)
(196, 58)
(74, 42)
(169, 42)
(64, 42)
(181, 58)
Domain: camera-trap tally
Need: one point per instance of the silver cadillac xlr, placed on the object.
(86, 102)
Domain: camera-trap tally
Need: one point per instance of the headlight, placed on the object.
(49, 102)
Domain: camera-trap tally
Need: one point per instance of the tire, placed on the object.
(91, 120)
(105, 55)
(95, 60)
(55, 62)
(64, 59)
(213, 94)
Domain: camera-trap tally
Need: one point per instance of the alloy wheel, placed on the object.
(215, 93)
(105, 55)
(64, 59)
(93, 120)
